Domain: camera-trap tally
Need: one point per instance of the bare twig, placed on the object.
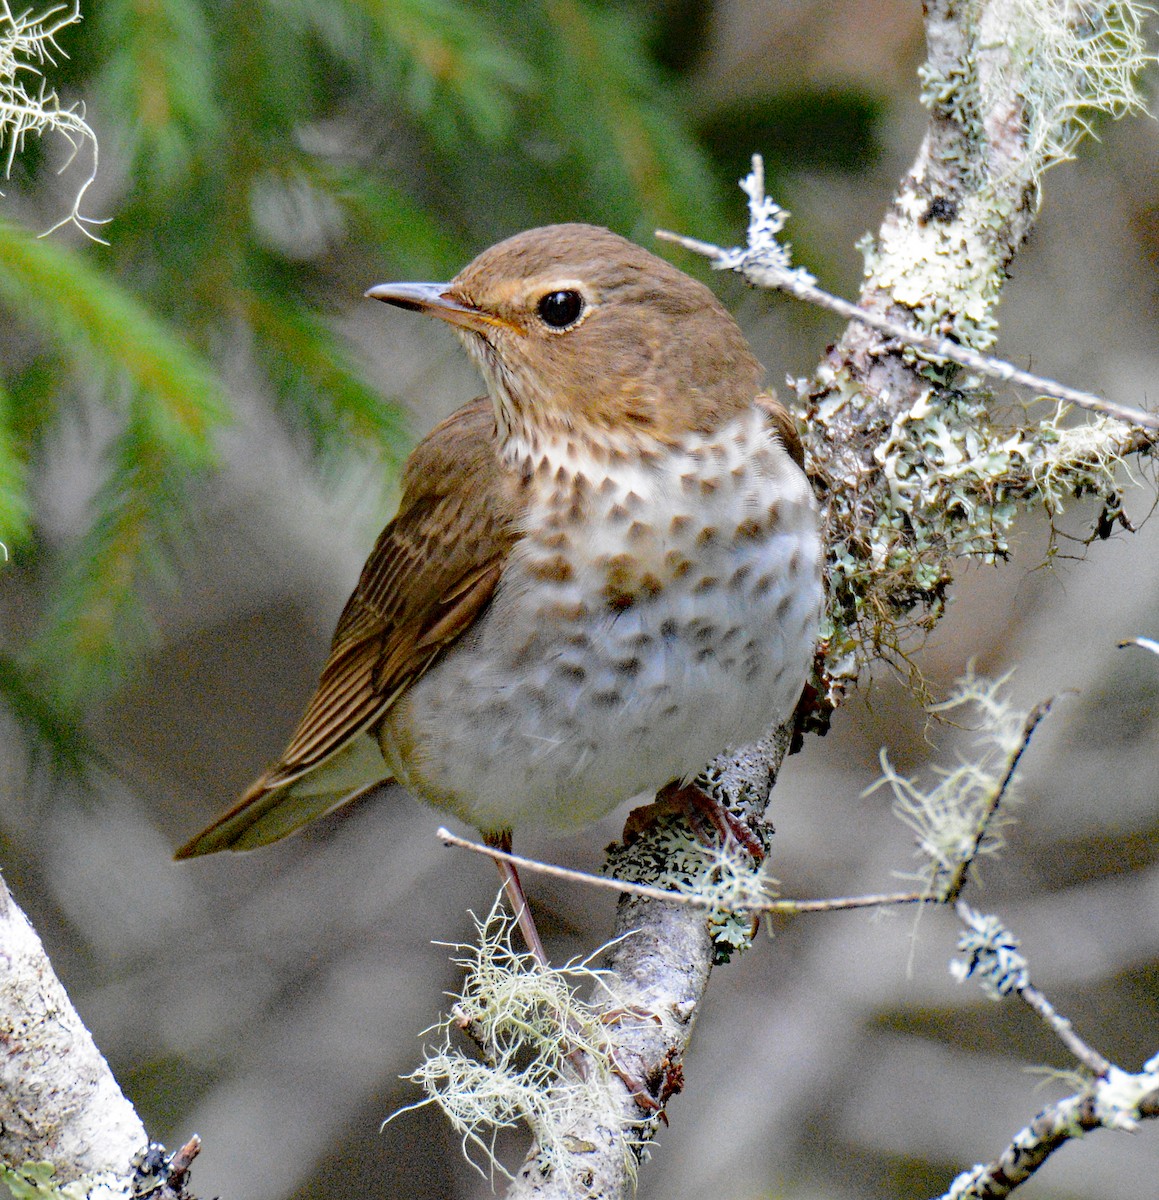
(849, 903)
(1064, 1031)
(159, 1175)
(603, 882)
(182, 1160)
(767, 270)
(645, 891)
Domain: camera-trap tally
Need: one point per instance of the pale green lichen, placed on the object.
(1071, 60)
(28, 105)
(946, 273)
(30, 1180)
(949, 487)
(1066, 61)
(725, 879)
(954, 819)
(1076, 460)
(1120, 1096)
(953, 91)
(531, 1025)
(38, 1181)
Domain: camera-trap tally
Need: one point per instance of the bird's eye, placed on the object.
(561, 309)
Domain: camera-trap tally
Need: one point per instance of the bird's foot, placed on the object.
(709, 820)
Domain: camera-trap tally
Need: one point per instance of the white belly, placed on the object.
(572, 694)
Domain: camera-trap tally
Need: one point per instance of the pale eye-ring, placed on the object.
(561, 309)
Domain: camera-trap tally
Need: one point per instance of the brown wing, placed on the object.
(431, 573)
(782, 421)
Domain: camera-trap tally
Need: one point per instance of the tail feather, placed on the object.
(268, 812)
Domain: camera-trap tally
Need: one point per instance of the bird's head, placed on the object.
(576, 328)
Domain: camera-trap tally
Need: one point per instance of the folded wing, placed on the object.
(431, 574)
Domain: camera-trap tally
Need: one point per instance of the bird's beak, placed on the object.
(436, 300)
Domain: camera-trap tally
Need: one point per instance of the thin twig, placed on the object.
(756, 268)
(1053, 1127)
(846, 903)
(182, 1160)
(643, 890)
(1064, 1031)
(690, 899)
(1143, 643)
(957, 879)
(995, 961)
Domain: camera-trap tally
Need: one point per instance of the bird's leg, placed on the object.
(501, 840)
(704, 814)
(636, 1086)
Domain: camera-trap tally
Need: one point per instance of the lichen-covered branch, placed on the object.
(993, 959)
(914, 470)
(591, 1077)
(656, 974)
(1114, 1099)
(1119, 1102)
(59, 1103)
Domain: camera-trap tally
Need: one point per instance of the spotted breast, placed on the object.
(659, 607)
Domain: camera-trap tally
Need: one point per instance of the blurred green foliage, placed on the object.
(264, 162)
(796, 128)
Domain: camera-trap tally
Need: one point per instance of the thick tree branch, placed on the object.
(658, 970)
(59, 1102)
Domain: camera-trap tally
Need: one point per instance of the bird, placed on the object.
(602, 573)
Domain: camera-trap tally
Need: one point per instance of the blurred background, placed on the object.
(200, 426)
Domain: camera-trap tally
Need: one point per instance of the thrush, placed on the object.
(601, 574)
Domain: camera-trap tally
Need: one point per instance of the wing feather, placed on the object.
(431, 574)
(786, 427)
